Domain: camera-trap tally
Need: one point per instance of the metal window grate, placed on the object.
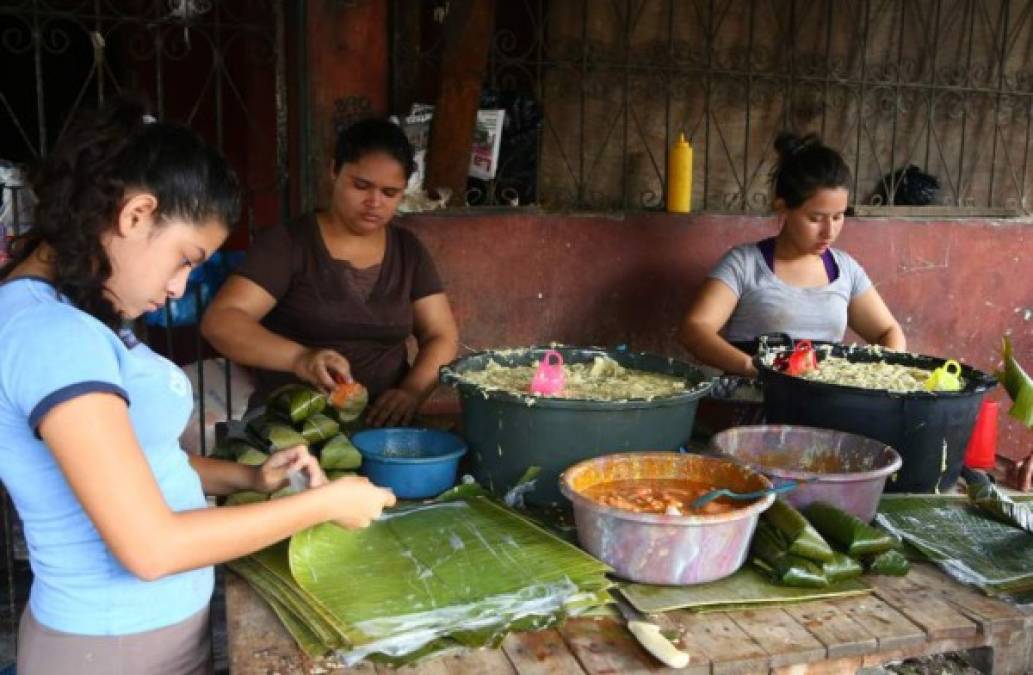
(946, 85)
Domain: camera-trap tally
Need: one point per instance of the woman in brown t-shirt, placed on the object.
(336, 294)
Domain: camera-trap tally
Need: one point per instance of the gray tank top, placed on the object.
(769, 305)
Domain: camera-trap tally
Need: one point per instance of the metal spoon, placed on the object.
(703, 500)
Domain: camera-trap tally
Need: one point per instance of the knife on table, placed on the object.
(648, 634)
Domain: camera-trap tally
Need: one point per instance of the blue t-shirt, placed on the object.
(51, 352)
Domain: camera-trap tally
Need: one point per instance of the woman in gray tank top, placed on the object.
(795, 282)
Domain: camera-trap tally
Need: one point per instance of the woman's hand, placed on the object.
(395, 407)
(358, 502)
(323, 368)
(272, 475)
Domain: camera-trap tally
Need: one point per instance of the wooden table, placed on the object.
(924, 613)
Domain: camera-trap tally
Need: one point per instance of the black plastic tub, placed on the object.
(929, 430)
(508, 433)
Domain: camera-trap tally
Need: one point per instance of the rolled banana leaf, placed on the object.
(318, 428)
(1018, 383)
(987, 497)
(334, 475)
(339, 455)
(847, 531)
(296, 402)
(890, 563)
(771, 554)
(841, 568)
(803, 540)
(252, 457)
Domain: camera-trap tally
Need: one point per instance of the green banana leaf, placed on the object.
(803, 540)
(296, 402)
(1018, 383)
(987, 497)
(338, 454)
(252, 457)
(466, 571)
(854, 536)
(966, 542)
(891, 563)
(334, 474)
(318, 428)
(747, 588)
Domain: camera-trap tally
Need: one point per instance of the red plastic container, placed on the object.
(981, 452)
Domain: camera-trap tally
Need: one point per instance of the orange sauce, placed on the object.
(671, 496)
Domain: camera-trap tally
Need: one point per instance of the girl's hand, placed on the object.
(272, 475)
(357, 502)
(323, 368)
(395, 407)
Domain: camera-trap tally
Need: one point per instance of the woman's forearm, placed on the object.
(244, 340)
(713, 350)
(423, 377)
(220, 477)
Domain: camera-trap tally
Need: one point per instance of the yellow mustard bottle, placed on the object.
(679, 176)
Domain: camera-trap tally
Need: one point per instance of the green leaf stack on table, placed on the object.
(422, 579)
(794, 549)
(296, 415)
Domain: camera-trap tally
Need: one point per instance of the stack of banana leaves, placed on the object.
(986, 541)
(795, 550)
(423, 579)
(298, 415)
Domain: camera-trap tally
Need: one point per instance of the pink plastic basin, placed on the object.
(661, 549)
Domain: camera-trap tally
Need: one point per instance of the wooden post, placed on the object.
(468, 32)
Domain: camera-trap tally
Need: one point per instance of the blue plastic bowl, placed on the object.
(414, 463)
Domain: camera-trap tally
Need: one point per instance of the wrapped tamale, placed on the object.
(851, 534)
(252, 457)
(296, 402)
(348, 400)
(803, 540)
(318, 428)
(278, 435)
(771, 554)
(841, 568)
(339, 454)
(890, 563)
(1019, 385)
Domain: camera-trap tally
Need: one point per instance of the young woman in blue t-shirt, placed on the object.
(795, 282)
(121, 542)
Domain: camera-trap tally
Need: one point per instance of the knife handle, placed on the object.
(650, 637)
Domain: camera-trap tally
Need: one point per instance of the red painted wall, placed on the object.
(520, 278)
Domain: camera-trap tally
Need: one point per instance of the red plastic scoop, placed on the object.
(803, 359)
(549, 379)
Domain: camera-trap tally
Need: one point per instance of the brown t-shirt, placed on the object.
(328, 303)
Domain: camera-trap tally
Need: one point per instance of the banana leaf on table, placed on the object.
(424, 579)
(890, 563)
(999, 505)
(968, 544)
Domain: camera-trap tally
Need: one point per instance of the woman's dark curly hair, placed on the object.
(82, 185)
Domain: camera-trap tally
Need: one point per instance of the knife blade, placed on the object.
(649, 635)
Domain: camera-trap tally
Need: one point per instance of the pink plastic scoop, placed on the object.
(549, 379)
